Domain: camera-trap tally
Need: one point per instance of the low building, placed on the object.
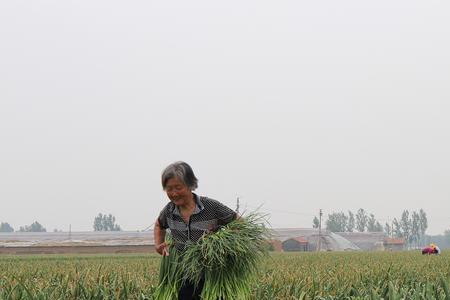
(329, 241)
(76, 242)
(368, 241)
(374, 241)
(394, 244)
(275, 245)
(296, 244)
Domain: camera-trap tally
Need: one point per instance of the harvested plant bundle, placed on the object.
(227, 260)
(170, 276)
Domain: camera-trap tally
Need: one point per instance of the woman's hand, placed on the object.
(162, 249)
(159, 234)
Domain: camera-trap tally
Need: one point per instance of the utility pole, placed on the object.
(392, 228)
(320, 230)
(237, 205)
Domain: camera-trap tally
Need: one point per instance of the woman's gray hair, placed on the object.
(182, 171)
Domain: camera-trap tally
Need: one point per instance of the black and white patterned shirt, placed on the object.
(207, 216)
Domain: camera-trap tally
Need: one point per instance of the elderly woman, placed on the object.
(188, 216)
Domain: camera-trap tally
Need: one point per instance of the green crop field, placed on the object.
(331, 275)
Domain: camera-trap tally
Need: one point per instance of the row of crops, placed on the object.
(331, 275)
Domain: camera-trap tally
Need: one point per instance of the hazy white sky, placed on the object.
(293, 105)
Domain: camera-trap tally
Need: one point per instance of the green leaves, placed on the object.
(170, 276)
(282, 276)
(228, 260)
(78, 277)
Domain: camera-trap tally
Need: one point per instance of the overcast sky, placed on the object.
(292, 105)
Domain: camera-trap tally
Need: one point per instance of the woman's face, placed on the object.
(178, 192)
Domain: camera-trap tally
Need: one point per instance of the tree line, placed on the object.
(33, 227)
(410, 226)
(102, 222)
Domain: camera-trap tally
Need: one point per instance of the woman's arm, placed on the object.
(159, 235)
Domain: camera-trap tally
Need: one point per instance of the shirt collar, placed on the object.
(198, 206)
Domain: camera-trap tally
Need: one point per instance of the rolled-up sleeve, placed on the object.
(224, 214)
(162, 219)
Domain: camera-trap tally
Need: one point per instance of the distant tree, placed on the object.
(336, 222)
(411, 227)
(397, 228)
(415, 228)
(98, 225)
(423, 224)
(405, 224)
(316, 222)
(34, 227)
(350, 222)
(361, 220)
(343, 220)
(387, 229)
(371, 222)
(105, 222)
(5, 227)
(110, 223)
(378, 227)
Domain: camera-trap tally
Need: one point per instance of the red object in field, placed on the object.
(429, 250)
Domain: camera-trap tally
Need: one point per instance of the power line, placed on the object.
(320, 230)
(285, 211)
